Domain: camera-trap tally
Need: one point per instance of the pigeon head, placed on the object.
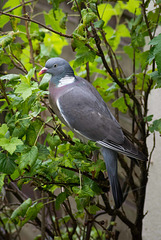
(57, 67)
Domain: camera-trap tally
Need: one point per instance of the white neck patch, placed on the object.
(65, 81)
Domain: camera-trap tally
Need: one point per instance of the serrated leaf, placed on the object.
(83, 56)
(29, 158)
(10, 144)
(60, 199)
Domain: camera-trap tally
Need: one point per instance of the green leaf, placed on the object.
(60, 199)
(32, 212)
(88, 16)
(53, 141)
(82, 202)
(55, 4)
(140, 84)
(30, 74)
(148, 118)
(22, 209)
(21, 126)
(54, 21)
(156, 78)
(144, 59)
(10, 77)
(45, 82)
(43, 152)
(156, 51)
(120, 104)
(106, 11)
(155, 126)
(28, 158)
(6, 40)
(11, 4)
(99, 24)
(137, 40)
(63, 22)
(3, 129)
(7, 164)
(83, 56)
(3, 20)
(52, 45)
(25, 90)
(10, 144)
(92, 209)
(133, 6)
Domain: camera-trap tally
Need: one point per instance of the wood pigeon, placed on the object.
(81, 108)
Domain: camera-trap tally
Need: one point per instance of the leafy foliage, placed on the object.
(35, 149)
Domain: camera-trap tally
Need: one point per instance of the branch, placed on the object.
(34, 21)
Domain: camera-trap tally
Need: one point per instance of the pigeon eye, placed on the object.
(55, 65)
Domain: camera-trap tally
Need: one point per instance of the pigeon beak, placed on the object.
(43, 70)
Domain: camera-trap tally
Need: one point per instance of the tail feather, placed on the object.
(110, 158)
